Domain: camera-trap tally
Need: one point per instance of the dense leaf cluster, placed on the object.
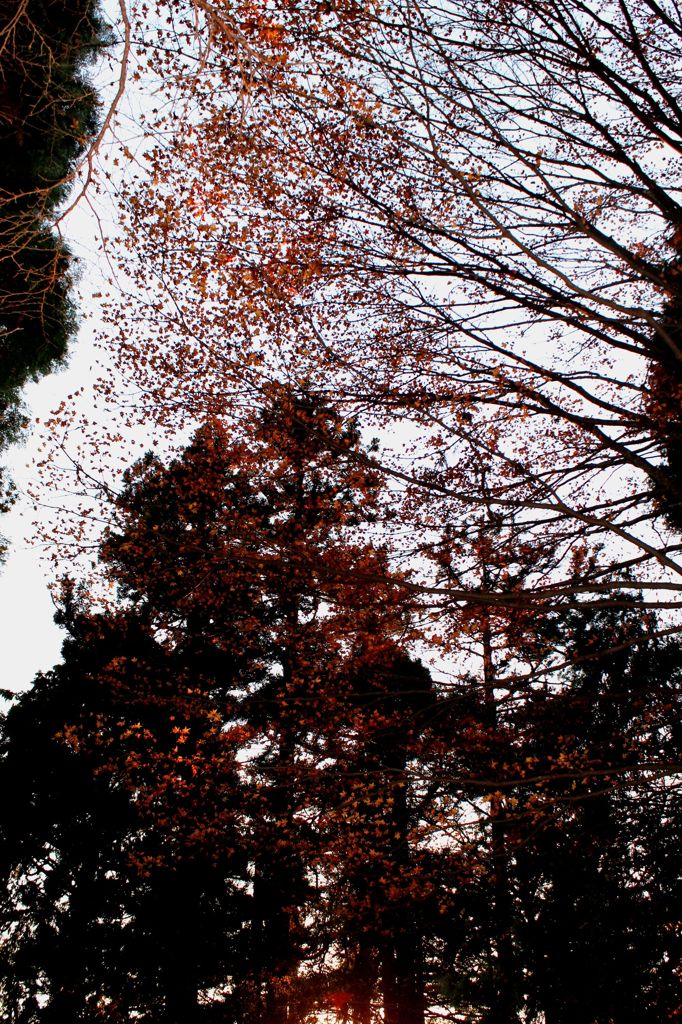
(465, 215)
(240, 799)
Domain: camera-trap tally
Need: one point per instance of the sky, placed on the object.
(31, 641)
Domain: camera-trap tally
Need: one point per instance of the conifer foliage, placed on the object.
(241, 799)
(48, 113)
(195, 717)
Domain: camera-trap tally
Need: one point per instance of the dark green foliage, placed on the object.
(239, 786)
(107, 913)
(587, 842)
(597, 885)
(48, 114)
(664, 396)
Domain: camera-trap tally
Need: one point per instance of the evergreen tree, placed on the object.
(204, 703)
(247, 549)
(48, 114)
(381, 893)
(585, 802)
(120, 851)
(596, 886)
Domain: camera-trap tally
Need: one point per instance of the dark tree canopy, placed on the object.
(48, 114)
(168, 781)
(243, 797)
(240, 799)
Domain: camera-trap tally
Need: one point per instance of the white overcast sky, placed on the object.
(30, 640)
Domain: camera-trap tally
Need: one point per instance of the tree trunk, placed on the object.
(389, 986)
(364, 980)
(503, 1010)
(180, 995)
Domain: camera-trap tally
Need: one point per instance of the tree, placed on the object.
(595, 890)
(382, 883)
(580, 806)
(206, 702)
(48, 117)
(121, 864)
(455, 216)
(246, 727)
(245, 550)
